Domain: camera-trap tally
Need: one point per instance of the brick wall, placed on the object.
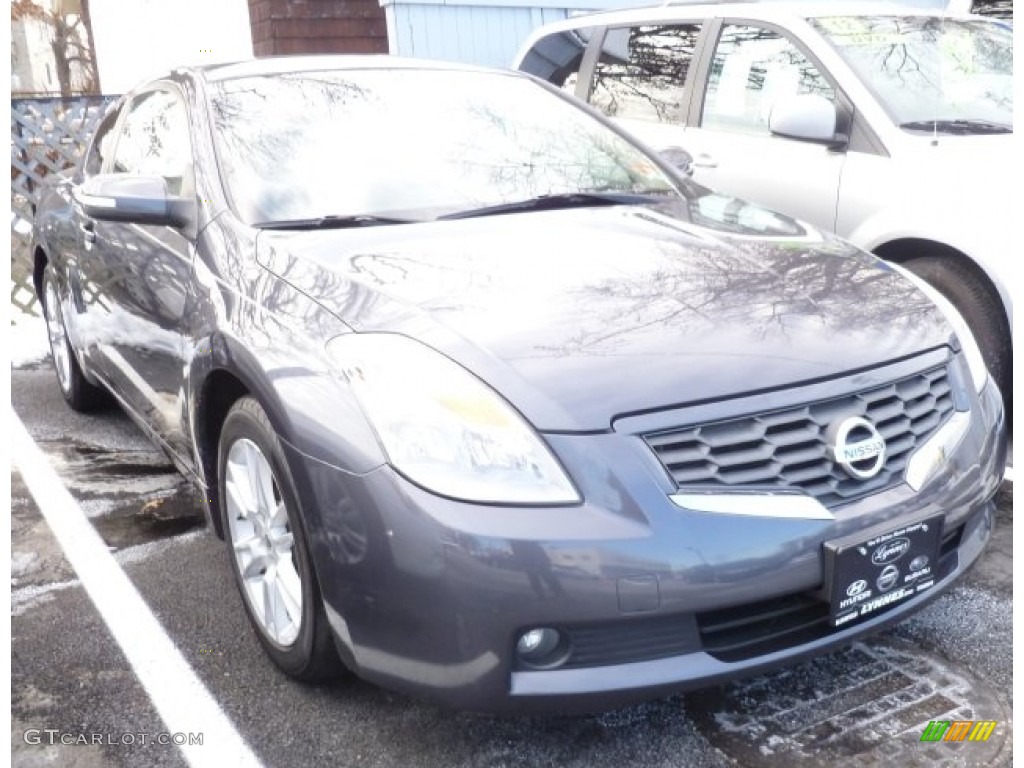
(317, 26)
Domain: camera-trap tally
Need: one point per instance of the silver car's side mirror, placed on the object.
(678, 158)
(807, 116)
(135, 199)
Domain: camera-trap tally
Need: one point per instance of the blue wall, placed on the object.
(484, 35)
(491, 32)
(484, 32)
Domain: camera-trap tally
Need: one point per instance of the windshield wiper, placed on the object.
(964, 127)
(333, 222)
(554, 202)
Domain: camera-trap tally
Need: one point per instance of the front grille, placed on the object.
(788, 449)
(730, 634)
(951, 540)
(641, 639)
(745, 631)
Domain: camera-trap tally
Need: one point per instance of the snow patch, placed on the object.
(22, 561)
(28, 597)
(28, 341)
(141, 552)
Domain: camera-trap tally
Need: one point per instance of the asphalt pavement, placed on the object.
(865, 705)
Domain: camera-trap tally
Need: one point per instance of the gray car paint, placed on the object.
(735, 319)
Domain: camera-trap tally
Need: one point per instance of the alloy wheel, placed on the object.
(58, 336)
(263, 543)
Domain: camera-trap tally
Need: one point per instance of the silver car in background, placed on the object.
(888, 125)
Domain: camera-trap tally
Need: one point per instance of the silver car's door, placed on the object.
(752, 66)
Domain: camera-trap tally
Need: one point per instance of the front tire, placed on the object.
(980, 307)
(81, 395)
(265, 534)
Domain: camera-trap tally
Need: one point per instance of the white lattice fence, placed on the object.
(48, 136)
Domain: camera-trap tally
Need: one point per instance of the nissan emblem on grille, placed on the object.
(857, 447)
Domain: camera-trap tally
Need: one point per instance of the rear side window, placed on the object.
(642, 71)
(557, 57)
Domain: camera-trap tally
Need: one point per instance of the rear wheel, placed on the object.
(77, 391)
(980, 306)
(269, 549)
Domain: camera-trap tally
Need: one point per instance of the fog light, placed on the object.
(541, 647)
(532, 640)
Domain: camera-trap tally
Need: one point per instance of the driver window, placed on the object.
(752, 68)
(102, 144)
(155, 142)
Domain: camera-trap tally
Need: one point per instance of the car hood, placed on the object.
(935, 166)
(981, 148)
(583, 315)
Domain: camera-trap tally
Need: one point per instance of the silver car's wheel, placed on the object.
(977, 300)
(263, 543)
(58, 337)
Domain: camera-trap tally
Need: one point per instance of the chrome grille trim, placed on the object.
(792, 505)
(786, 449)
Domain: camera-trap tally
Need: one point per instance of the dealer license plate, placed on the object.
(881, 570)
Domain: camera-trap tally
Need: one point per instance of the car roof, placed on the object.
(755, 9)
(280, 65)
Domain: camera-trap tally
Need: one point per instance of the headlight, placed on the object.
(445, 429)
(971, 350)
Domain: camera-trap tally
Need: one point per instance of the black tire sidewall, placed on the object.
(982, 311)
(246, 420)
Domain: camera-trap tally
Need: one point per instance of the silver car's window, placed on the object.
(929, 68)
(641, 72)
(155, 141)
(421, 142)
(752, 68)
(557, 57)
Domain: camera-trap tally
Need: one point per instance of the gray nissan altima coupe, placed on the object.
(491, 404)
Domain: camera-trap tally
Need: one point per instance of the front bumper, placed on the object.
(428, 595)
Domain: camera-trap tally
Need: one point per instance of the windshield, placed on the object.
(412, 143)
(928, 68)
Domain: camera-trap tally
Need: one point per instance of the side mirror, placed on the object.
(135, 199)
(678, 158)
(808, 116)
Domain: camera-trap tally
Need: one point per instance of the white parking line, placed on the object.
(179, 696)
(1008, 474)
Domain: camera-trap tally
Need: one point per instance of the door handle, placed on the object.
(704, 160)
(88, 230)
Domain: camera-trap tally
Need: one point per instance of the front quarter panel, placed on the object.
(257, 327)
(946, 224)
(915, 195)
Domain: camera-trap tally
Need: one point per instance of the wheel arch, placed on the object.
(223, 370)
(902, 249)
(984, 296)
(219, 389)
